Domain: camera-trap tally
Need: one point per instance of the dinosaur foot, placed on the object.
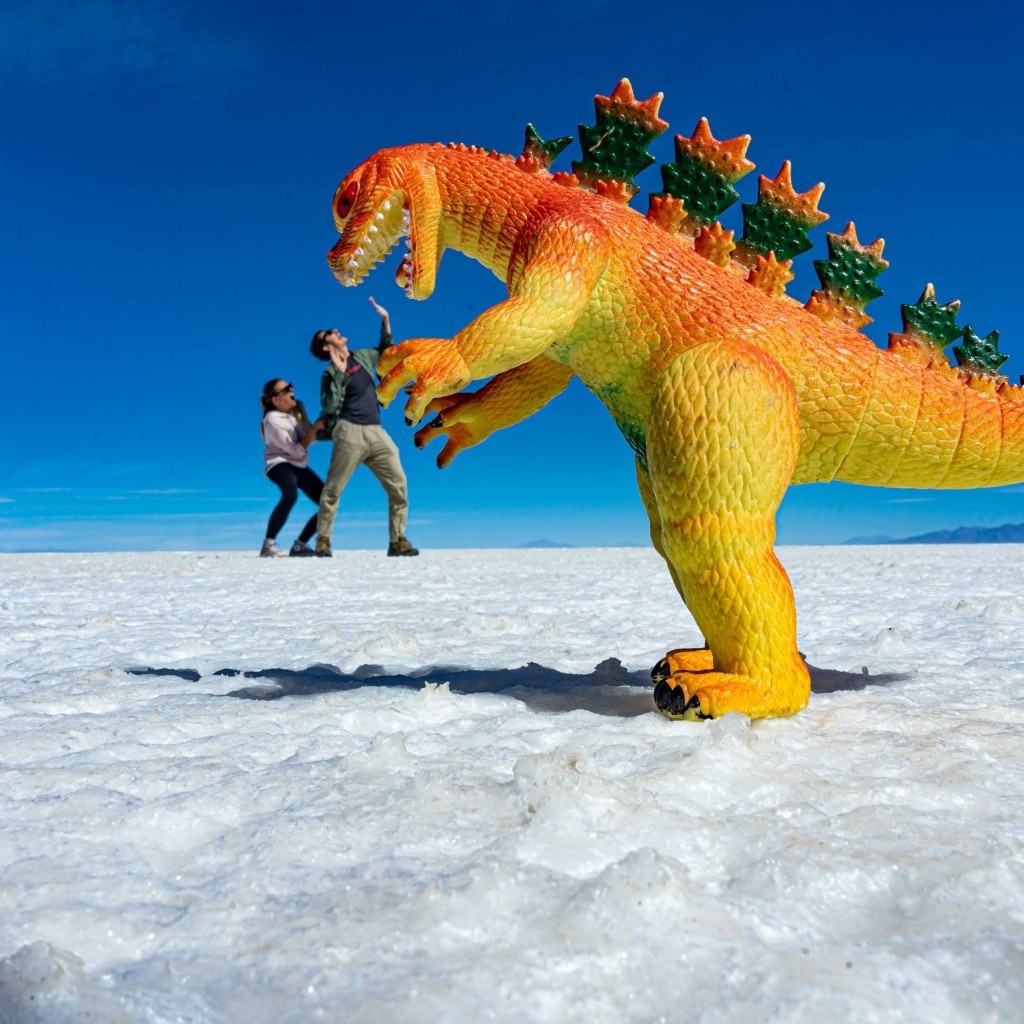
(698, 695)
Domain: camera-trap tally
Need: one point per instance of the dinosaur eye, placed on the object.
(343, 202)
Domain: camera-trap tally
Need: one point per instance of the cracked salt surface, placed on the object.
(235, 789)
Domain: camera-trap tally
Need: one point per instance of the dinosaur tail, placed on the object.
(930, 425)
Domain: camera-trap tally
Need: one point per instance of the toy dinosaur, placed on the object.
(726, 389)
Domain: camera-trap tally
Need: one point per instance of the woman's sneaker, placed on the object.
(270, 549)
(300, 549)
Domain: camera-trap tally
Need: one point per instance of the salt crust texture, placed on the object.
(382, 815)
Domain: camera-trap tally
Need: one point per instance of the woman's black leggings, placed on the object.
(291, 479)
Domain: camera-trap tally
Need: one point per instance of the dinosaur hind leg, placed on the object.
(682, 658)
(723, 438)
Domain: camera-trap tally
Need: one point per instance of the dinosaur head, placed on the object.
(392, 195)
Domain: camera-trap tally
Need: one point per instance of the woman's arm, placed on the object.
(310, 436)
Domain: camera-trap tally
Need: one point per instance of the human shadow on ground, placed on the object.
(609, 690)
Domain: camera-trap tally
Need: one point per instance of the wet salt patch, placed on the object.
(208, 858)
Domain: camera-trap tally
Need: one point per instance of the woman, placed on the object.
(287, 435)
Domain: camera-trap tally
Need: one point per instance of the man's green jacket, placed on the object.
(334, 383)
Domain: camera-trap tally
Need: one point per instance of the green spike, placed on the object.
(931, 323)
(768, 228)
(851, 268)
(703, 174)
(980, 354)
(543, 152)
(704, 193)
(612, 152)
(615, 148)
(780, 219)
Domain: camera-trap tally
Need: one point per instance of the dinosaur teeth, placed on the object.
(404, 277)
(381, 234)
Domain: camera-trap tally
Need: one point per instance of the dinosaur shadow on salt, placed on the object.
(609, 690)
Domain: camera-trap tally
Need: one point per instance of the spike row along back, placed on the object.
(698, 186)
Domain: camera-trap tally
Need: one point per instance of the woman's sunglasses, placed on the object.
(281, 391)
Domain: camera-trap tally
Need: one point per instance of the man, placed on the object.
(351, 416)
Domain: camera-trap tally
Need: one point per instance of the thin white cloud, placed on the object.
(92, 43)
(166, 491)
(907, 501)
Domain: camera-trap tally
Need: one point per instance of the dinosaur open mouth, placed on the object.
(353, 260)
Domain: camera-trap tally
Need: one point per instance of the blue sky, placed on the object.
(166, 183)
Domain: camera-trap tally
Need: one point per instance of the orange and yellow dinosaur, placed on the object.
(727, 390)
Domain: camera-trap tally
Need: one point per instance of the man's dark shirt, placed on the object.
(336, 399)
(360, 405)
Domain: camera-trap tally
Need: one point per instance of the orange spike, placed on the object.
(770, 276)
(625, 103)
(565, 178)
(616, 191)
(910, 349)
(826, 306)
(667, 212)
(780, 191)
(715, 244)
(874, 249)
(727, 156)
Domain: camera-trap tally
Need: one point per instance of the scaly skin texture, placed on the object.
(725, 393)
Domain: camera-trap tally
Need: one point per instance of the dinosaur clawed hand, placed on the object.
(460, 418)
(434, 367)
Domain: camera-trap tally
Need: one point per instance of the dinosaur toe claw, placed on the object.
(675, 702)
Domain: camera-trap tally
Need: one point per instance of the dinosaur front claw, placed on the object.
(433, 366)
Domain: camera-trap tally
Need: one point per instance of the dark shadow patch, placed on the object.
(609, 690)
(827, 680)
(180, 673)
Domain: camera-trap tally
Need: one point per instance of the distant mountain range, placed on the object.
(1008, 533)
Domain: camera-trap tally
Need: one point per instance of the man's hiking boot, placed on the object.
(270, 549)
(401, 547)
(300, 549)
(323, 548)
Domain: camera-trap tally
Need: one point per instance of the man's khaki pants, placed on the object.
(354, 445)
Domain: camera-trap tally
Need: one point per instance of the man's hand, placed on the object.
(381, 311)
(339, 354)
